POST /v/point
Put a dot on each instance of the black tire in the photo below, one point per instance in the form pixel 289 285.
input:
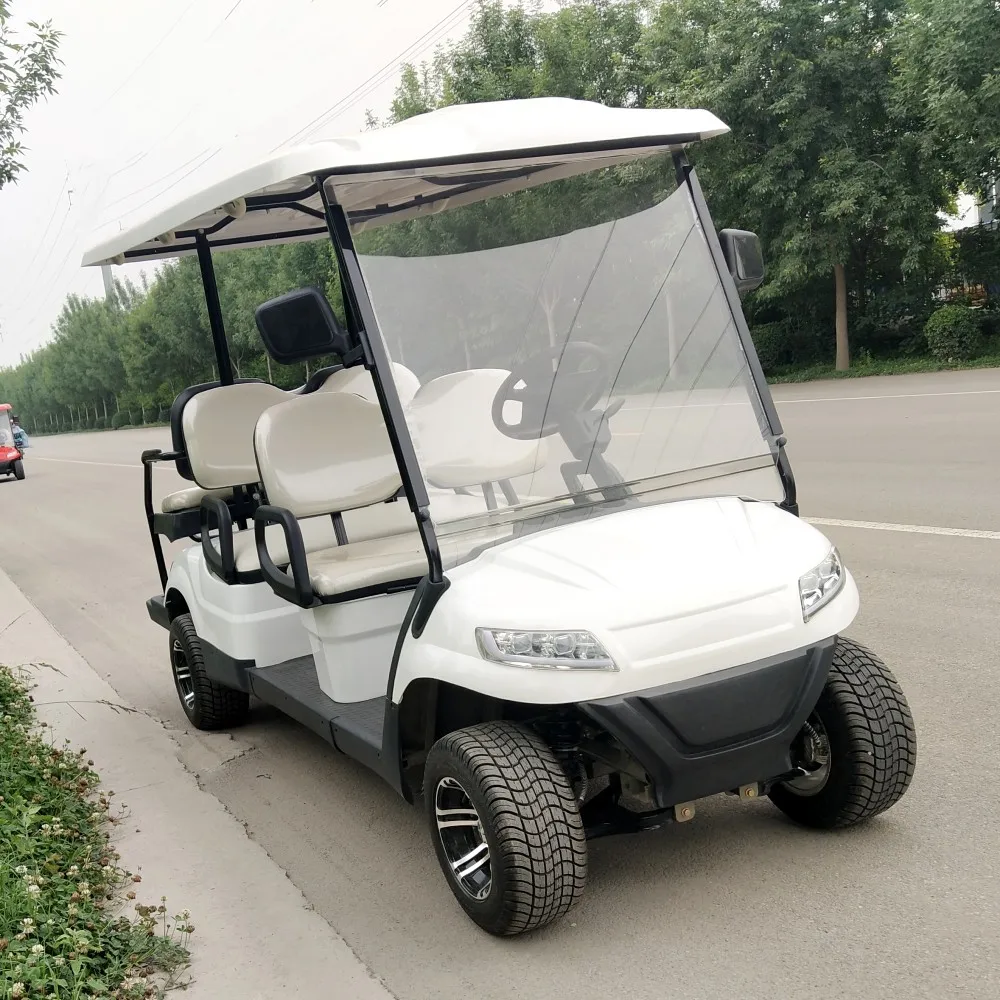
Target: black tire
pixel 18 469
pixel 207 705
pixel 871 745
pixel 527 816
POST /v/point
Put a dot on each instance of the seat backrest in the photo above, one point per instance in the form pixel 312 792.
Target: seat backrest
pixel 323 453
pixel 457 443
pixel 218 425
pixel 359 381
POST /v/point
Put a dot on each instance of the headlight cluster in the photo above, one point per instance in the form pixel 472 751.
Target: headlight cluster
pixel 821 584
pixel 554 650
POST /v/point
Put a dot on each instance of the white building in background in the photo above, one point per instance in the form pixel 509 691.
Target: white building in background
pixel 972 212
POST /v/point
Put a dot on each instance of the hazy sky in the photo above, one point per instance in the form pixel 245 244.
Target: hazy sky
pixel 154 92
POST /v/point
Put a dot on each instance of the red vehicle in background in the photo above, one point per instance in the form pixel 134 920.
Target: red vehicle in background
pixel 11 457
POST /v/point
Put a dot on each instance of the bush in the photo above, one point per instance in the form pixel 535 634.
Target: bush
pixel 164 416
pixel 954 333
pixel 120 419
pixel 893 322
pixel 776 345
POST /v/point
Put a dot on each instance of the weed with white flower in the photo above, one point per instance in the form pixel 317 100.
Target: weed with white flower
pixel 63 933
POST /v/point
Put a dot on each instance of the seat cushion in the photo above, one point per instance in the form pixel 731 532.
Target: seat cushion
pixel 189 497
pixel 381 561
pixel 377 521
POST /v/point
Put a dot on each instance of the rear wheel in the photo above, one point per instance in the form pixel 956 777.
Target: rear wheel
pixel 18 469
pixel 859 747
pixel 506 827
pixel 207 705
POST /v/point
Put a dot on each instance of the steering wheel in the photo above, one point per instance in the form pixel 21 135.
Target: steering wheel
pixel 547 398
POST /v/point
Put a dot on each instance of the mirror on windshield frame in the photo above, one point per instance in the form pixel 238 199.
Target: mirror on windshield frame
pixel 744 258
pixel 301 325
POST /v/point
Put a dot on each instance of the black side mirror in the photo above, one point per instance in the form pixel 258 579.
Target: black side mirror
pixel 301 325
pixel 744 258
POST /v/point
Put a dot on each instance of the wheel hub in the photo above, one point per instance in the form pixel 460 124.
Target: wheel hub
pixel 462 838
pixel 182 674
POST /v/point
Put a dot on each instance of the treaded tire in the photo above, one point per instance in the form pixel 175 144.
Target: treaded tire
pixel 18 469
pixel 206 704
pixel 529 817
pixel 873 744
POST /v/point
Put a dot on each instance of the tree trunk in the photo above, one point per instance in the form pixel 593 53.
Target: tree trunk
pixel 105 402
pixel 843 348
pixel 270 377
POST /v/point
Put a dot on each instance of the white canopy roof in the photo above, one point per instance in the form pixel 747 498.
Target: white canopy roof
pixel 453 156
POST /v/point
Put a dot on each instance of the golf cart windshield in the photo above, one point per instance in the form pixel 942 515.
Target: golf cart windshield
pixel 599 296
pixel 6 431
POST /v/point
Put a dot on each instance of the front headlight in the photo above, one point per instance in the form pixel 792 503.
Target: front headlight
pixel 552 650
pixel 821 584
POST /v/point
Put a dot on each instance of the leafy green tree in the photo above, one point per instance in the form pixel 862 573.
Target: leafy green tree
pixel 823 161
pixel 949 62
pixel 28 72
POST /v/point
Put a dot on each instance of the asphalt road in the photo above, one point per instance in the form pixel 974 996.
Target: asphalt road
pixel 738 903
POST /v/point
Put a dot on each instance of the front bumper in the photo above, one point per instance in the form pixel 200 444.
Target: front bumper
pixel 714 733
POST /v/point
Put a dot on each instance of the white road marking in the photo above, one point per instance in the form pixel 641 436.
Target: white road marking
pixel 917 529
pixel 81 461
pixel 808 399
pixel 891 395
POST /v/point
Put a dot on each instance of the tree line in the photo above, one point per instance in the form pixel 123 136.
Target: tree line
pixel 854 123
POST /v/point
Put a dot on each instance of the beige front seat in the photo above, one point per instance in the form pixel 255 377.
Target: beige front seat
pixel 359 381
pixel 457 443
pixel 312 473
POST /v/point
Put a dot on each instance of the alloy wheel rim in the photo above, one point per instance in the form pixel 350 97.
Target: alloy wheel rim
pixel 463 840
pixel 182 674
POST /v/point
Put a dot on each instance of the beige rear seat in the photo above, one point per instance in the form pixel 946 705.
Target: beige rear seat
pixel 190 496
pixel 218 436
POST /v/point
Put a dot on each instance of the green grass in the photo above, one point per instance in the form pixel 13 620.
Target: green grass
pixel 63 892
pixel 866 366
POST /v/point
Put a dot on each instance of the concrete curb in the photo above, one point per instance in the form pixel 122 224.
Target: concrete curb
pixel 255 937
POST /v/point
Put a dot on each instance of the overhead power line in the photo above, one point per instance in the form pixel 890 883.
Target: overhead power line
pixel 430 37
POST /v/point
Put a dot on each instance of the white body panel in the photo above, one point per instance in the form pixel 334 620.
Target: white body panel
pixel 674 591
pixel 247 622
pixel 352 645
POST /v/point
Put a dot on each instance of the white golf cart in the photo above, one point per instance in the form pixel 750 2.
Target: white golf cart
pixel 531 551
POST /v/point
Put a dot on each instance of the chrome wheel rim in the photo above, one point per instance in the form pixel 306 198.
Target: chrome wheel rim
pixel 816 759
pixel 182 674
pixel 462 838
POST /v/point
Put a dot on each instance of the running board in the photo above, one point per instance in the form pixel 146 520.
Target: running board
pixel 292 687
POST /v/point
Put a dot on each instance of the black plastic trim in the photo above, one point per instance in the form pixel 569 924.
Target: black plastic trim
pixel 716 732
pixel 225 669
pixel 215 515
pixel 156 608
pixel 297 589
pixel 214 306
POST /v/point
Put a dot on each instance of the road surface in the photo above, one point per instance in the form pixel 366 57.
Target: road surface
pixel 736 904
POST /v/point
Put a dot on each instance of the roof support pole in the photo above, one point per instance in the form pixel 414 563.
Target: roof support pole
pixel 222 358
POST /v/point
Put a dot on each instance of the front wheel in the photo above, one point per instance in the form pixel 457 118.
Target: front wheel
pixel 506 827
pixel 18 469
pixel 859 747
